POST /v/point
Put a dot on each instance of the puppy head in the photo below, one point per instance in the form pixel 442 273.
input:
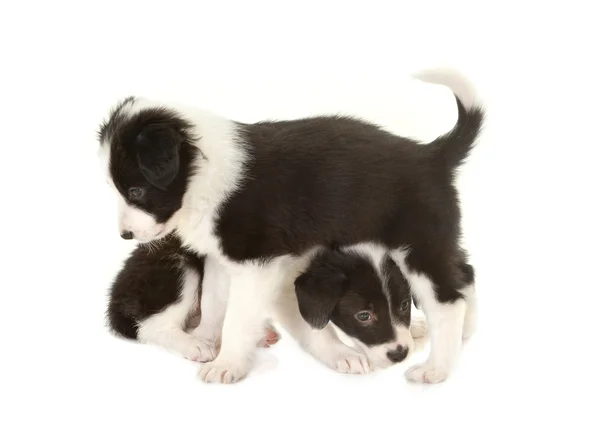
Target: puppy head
pixel 148 151
pixel 364 294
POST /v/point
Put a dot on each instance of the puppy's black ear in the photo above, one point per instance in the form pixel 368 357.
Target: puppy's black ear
pixel 157 149
pixel 319 290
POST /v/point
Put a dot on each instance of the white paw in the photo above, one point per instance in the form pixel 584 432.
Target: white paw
pixel 427 373
pixel 200 350
pixel 418 327
pixel 224 372
pixel 349 360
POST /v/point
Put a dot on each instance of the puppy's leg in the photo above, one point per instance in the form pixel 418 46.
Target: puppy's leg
pixel 468 292
pixel 167 328
pixel 444 308
pixel 253 290
pixel 213 304
pixel 324 345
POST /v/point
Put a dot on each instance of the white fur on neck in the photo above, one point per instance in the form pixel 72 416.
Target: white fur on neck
pixel 218 171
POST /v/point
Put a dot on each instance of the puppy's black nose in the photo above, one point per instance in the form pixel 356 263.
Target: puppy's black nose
pixel 398 354
pixel 127 235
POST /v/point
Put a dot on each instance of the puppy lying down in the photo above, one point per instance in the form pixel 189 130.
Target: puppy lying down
pixel 360 292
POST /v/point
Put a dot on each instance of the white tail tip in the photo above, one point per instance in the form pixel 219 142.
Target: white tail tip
pixel 460 85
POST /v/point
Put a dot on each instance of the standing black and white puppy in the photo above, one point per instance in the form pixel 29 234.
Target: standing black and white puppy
pixel 156 299
pixel 255 197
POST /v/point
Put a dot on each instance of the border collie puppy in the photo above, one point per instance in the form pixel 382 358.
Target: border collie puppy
pixel 155 299
pixel 258 196
pixel 156 296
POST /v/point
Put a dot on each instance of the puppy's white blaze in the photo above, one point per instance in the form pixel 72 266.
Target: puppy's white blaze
pixel 372 251
pixel 460 85
pixel 166 328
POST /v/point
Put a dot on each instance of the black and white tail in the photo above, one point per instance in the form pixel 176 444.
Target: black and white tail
pixel 454 147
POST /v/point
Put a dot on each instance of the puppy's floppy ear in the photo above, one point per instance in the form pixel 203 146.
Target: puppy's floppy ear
pixel 157 148
pixel 319 290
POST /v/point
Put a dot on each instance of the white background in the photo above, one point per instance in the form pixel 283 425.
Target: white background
pixel 530 217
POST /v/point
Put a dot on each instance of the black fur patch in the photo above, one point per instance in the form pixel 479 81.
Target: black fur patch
pixel 152 150
pixel 150 280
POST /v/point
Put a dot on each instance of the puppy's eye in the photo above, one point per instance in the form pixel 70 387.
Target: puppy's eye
pixel 364 316
pixel 404 305
pixel 135 193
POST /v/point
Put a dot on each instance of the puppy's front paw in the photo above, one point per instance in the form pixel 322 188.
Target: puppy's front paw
pixel 201 350
pixel 348 360
pixel 222 371
pixel 418 327
pixel 194 349
pixel 427 373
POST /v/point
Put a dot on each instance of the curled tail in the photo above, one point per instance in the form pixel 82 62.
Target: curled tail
pixel 454 147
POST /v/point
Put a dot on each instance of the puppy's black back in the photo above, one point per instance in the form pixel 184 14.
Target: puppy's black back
pixel 149 281
pixel 339 180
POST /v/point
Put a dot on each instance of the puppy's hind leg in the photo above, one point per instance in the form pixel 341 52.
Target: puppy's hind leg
pixel 444 308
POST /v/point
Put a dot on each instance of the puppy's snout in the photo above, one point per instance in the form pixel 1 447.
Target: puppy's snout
pixel 127 235
pixel 399 354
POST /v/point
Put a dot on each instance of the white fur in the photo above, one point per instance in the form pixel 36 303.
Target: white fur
pixel 445 323
pixel 166 328
pixel 457 82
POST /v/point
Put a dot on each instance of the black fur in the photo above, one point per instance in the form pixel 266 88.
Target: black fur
pixel 152 150
pixel 149 281
pixel 157 150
